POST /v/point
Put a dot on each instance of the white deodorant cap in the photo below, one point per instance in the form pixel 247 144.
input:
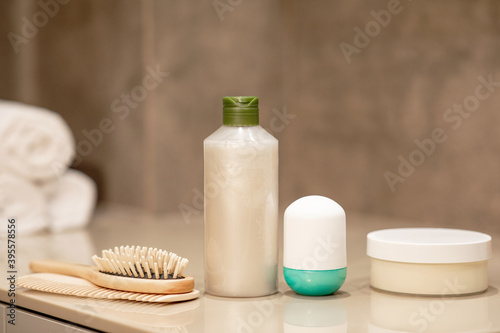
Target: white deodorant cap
pixel 314 234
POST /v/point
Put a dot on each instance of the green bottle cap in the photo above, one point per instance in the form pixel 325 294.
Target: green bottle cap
pixel 240 111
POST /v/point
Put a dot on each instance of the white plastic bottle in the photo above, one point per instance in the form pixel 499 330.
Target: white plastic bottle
pixel 241 204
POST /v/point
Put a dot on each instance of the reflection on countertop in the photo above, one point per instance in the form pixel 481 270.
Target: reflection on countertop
pixel 151 316
pixel 355 308
pixel 398 313
pixel 324 314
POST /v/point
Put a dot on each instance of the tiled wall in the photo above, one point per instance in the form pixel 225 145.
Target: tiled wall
pixel 343 122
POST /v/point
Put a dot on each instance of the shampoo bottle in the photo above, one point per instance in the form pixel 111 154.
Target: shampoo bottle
pixel 241 204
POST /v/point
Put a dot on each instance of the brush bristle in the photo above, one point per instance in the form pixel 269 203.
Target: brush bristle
pixel 141 262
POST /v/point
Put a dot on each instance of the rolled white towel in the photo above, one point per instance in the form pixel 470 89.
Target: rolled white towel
pixel 24 202
pixel 71 200
pixel 35 143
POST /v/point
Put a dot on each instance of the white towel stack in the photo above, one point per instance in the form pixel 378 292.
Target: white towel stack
pixel 36 186
pixel 23 201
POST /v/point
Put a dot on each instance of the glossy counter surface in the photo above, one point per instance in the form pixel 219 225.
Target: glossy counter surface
pixel 355 308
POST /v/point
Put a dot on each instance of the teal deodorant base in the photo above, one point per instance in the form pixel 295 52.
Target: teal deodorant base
pixel 315 283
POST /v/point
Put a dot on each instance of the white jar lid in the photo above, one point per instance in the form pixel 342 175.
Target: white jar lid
pixel 428 245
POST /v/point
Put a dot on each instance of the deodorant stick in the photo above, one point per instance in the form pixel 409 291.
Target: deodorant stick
pixel 314 255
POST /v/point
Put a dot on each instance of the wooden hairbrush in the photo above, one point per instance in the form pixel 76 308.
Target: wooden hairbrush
pixel 128 268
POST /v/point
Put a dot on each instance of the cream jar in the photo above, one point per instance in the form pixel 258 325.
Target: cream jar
pixel 429 261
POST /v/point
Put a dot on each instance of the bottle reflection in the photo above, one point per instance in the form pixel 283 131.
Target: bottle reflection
pixel 242 315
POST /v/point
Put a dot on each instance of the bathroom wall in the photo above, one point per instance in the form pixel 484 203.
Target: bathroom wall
pixel 360 94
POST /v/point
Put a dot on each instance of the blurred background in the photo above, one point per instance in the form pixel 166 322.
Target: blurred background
pixel 388 107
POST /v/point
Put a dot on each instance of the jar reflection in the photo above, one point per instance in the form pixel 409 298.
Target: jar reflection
pixel 398 313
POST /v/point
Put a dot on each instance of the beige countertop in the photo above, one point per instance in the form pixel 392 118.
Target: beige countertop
pixel 355 308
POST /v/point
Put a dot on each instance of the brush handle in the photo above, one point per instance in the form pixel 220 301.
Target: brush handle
pixel 60 267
